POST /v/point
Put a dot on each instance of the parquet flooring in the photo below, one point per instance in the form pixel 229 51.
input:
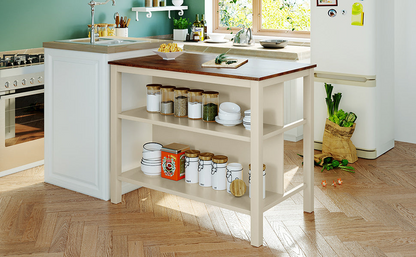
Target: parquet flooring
pixel 373 213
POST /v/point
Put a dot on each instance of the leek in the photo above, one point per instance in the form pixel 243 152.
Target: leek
pixel 337 100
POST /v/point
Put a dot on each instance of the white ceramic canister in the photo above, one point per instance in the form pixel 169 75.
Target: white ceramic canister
pixel 191 166
pixel 204 169
pixel 264 181
pixel 234 171
pixel 218 172
pixel 153 97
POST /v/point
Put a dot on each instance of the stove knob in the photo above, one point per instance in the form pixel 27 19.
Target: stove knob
pixel 32 80
pixel 40 79
pixel 15 83
pixel 23 82
pixel 7 84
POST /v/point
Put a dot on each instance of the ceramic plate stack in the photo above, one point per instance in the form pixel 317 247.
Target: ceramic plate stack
pixel 151 162
pixel 247 119
pixel 229 114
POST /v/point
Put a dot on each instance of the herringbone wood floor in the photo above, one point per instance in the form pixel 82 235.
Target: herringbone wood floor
pixel 372 214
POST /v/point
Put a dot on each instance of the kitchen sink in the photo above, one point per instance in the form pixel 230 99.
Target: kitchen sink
pixel 102 41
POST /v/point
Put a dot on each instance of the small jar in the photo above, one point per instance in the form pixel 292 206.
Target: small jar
pixel 195 104
pixel 167 100
pixel 264 181
pixel 181 102
pixel 204 169
pixel 111 30
pixel 210 103
pixel 89 29
pixel 155 3
pixel 153 97
pixel 162 2
pixel 234 171
pixel 148 3
pixel 191 166
pixel 102 29
pixel 218 172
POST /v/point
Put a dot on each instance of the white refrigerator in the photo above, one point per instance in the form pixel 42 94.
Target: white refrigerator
pixel 358 60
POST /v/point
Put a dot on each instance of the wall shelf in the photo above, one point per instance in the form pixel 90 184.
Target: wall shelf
pixel 149 10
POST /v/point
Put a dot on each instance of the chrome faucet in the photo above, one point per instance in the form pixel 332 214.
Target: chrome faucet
pixel 93 4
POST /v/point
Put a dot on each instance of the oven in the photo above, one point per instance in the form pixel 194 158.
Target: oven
pixel 21 112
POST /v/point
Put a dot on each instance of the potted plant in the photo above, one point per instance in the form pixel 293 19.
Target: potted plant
pixel 180 29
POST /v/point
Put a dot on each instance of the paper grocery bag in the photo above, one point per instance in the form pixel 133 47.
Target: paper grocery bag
pixel 337 142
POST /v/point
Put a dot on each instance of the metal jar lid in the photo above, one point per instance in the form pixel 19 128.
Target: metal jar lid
pixel 183 90
pixel 220 159
pixel 206 156
pixel 192 153
pixel 264 166
pixel 153 86
pixel 195 92
pixel 210 94
pixel 167 88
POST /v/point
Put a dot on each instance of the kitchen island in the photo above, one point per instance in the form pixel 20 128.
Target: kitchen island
pixel 257 85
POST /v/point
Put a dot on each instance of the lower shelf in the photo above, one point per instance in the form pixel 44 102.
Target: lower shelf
pixel 195 192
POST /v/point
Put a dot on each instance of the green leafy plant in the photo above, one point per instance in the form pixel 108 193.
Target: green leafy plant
pixel 330 163
pixel 223 58
pixel 336 115
pixel 181 23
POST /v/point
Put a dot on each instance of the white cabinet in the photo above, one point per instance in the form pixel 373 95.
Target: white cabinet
pixel 77 119
pixel 258 85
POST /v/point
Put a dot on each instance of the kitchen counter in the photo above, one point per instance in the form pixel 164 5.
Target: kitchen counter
pixel 290 52
pixel 105 49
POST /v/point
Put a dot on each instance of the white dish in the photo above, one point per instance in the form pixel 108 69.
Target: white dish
pixel 168 56
pixel 215 37
pixel 229 107
pixel 151 169
pixel 215 41
pixel 152 155
pixel 247 113
pixel 228 123
pixel 229 116
pixel 152 146
pixel 177 2
pixel 247 119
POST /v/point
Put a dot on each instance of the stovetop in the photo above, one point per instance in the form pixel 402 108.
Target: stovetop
pixel 20 60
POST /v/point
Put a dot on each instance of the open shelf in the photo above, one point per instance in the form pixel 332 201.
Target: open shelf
pixel 149 10
pixel 237 132
pixel 196 192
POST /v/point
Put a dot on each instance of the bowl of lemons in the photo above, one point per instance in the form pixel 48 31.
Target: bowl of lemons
pixel 169 51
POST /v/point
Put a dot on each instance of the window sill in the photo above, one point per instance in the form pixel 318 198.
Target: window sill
pixel 291 40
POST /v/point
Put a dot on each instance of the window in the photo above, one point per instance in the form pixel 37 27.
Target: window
pixel 271 17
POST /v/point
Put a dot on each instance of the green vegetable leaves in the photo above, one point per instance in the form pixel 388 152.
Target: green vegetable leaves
pixel 336 115
pixel 223 58
pixel 330 163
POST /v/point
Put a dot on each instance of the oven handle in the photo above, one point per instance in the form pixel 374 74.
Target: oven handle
pixel 12 96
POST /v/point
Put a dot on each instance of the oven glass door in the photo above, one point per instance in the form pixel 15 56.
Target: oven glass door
pixel 24 116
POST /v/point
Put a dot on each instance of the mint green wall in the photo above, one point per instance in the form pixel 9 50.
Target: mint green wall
pixel 29 23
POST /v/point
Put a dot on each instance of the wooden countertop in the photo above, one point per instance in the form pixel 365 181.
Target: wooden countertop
pixel 255 69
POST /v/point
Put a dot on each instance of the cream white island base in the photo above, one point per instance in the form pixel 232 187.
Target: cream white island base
pixel 257 85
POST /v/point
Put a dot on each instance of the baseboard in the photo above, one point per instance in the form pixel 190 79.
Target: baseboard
pixel 21 168
pixel 292 138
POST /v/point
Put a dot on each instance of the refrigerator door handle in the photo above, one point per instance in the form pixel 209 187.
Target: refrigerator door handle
pixel 345 79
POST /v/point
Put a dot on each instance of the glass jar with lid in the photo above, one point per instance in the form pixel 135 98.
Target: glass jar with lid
pixel 204 169
pixel 191 166
pixel 89 29
pixel 111 29
pixel 210 105
pixel 195 104
pixel 218 172
pixel 102 29
pixel 181 102
pixel 153 97
pixel 167 100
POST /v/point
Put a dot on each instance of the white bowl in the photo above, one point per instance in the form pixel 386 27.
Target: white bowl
pixel 152 146
pixel 151 169
pixel 230 107
pixel 152 155
pixel 216 37
pixel 229 116
pixel 168 56
pixel 177 2
pixel 247 113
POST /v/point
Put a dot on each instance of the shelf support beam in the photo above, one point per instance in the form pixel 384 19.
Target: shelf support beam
pixel 308 152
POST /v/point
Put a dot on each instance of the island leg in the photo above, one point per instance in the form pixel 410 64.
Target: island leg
pixel 256 154
pixel 115 134
pixel 308 153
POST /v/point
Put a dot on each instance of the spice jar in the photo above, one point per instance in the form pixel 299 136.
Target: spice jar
pixel 191 166
pixel 210 102
pixel 264 181
pixel 153 97
pixel 204 169
pixel 89 29
pixel 167 98
pixel 218 172
pixel 181 102
pixel 155 3
pixel 234 171
pixel 111 29
pixel 148 3
pixel 162 2
pixel 102 29
pixel 195 104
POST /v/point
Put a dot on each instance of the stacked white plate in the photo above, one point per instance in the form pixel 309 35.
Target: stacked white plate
pixel 229 114
pixel 247 119
pixel 151 161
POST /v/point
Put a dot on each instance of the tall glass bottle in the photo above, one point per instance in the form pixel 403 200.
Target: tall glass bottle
pixel 204 24
pixel 196 29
